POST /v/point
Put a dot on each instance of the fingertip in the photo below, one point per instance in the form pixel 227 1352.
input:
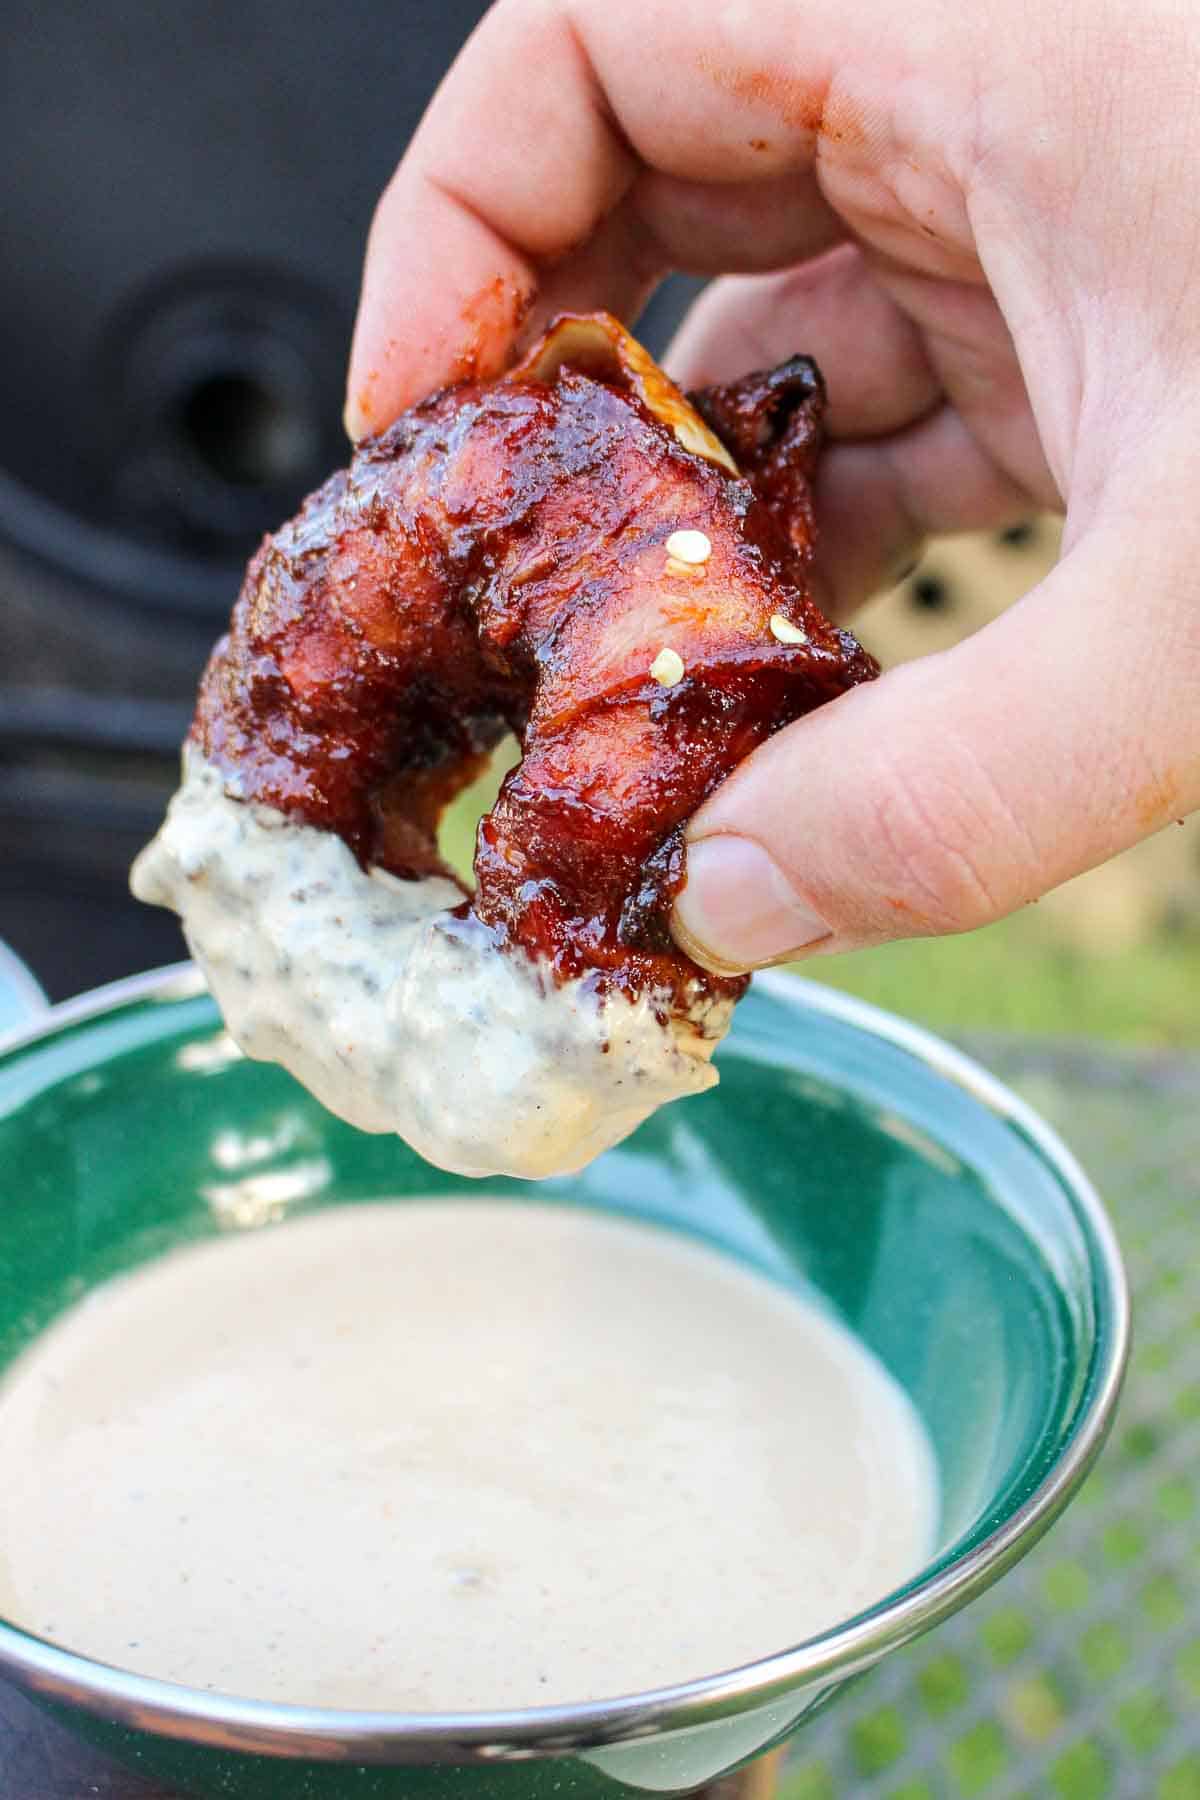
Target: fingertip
pixel 375 373
pixel 385 378
pixel 444 299
pixel 357 415
pixel 738 910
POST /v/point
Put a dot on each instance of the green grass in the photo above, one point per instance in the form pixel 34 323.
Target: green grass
pixel 1018 975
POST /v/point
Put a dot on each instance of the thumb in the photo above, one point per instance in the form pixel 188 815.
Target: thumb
pixel 958 788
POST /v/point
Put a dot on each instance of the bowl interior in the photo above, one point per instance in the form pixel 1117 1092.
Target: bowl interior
pixel 830 1158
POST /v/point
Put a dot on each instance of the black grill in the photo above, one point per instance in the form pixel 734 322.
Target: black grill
pixel 184 197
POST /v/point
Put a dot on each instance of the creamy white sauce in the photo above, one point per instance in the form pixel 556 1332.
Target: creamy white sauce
pixel 451 1455
pixel 395 1015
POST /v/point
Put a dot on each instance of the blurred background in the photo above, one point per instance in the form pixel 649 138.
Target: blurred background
pixel 184 197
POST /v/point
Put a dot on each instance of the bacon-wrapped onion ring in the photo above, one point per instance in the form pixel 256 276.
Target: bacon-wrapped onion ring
pixel 569 553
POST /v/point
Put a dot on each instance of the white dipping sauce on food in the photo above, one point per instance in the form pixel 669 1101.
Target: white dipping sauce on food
pixel 396 1015
pixel 449 1455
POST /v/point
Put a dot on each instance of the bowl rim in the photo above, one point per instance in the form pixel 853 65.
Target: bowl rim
pixel 323 1733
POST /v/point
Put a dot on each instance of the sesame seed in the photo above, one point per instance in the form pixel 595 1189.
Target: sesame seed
pixel 786 632
pixel 689 547
pixel 667 667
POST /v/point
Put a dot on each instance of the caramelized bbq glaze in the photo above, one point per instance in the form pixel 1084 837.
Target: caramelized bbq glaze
pixel 497 560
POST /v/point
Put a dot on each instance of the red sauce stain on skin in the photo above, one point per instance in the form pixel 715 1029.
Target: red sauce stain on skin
pixel 842 122
pixel 796 103
pixel 492 319
pixel 910 920
pixel 365 399
pixel 1157 802
pixel 808 106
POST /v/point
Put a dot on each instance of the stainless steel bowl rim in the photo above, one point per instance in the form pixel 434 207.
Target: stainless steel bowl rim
pixel 325 1734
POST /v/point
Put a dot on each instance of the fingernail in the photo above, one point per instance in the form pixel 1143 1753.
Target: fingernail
pixel 738 910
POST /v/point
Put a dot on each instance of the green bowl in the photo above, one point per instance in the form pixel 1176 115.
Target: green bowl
pixel 843 1151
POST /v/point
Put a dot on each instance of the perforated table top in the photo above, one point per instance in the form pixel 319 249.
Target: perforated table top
pixel 1078 1676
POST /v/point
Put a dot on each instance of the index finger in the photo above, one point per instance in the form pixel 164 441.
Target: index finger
pixel 580 152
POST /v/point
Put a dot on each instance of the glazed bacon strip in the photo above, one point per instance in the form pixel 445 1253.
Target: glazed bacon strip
pixel 569 553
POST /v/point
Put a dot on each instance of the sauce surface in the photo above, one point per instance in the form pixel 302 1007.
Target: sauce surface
pixel 450 1455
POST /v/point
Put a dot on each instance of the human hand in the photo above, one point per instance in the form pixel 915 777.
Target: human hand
pixel 982 223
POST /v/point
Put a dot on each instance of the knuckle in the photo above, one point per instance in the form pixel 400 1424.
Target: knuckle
pixel 943 841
